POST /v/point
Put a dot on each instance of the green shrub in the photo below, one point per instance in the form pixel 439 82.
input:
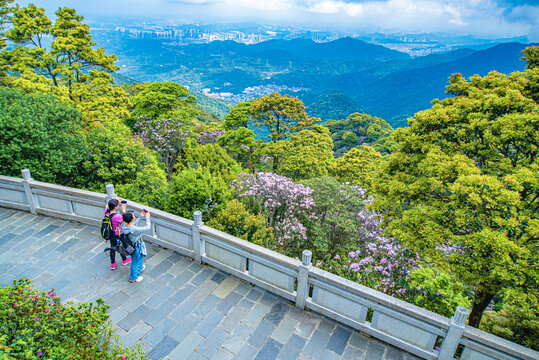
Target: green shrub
pixel 236 220
pixel 35 324
pixel 436 291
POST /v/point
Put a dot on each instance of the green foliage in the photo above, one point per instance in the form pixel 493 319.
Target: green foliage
pixel 213 158
pixel 307 154
pixel 196 189
pixel 40 133
pixel 117 159
pixel 517 321
pixel 238 117
pixel 357 166
pixel 164 100
pixel 337 228
pixel 70 54
pixel 235 220
pixel 280 115
pixel 36 325
pixel 212 105
pixel 359 129
pixel 241 145
pixel 336 105
pixel 4 11
pixel 436 291
pixel 462 188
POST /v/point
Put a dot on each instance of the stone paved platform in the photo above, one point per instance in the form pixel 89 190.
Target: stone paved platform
pixel 181 310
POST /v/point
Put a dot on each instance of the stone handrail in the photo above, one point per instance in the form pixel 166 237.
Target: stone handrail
pixel 409 327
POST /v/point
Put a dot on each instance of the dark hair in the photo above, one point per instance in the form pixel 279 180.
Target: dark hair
pixel 128 217
pixel 112 204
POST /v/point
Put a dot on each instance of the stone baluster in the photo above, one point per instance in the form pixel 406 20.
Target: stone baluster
pixel 26 181
pixel 303 279
pixel 198 244
pixel 454 334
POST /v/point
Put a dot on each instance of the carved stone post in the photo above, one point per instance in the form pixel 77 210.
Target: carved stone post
pixel 198 244
pixel 303 279
pixel 26 181
pixel 452 339
pixel 110 192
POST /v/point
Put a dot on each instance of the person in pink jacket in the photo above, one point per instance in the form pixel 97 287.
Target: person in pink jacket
pixel 116 221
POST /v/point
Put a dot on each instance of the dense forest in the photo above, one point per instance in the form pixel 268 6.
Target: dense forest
pixel 441 213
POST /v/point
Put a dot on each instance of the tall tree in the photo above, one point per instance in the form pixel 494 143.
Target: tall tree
pixel 69 56
pixel 164 100
pixel 281 115
pixel 464 186
pixel 4 11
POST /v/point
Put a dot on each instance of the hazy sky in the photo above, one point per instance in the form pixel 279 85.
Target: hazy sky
pixel 492 18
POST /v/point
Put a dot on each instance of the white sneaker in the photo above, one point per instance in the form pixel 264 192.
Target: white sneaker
pixel 138 280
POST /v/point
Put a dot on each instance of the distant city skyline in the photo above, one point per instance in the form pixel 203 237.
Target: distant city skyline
pixel 486 18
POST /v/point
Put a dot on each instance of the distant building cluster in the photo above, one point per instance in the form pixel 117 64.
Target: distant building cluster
pixel 251 92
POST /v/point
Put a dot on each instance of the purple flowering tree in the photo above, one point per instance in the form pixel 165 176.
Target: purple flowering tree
pixel 288 206
pixel 210 136
pixel 166 136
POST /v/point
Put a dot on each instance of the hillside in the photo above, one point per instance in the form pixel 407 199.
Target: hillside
pixel 410 91
pixel 383 82
pixel 334 106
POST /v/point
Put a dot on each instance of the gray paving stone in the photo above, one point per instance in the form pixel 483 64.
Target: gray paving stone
pixel 136 333
pixel 326 326
pixel 184 328
pixel 186 346
pixel 182 294
pixel 392 353
pixel 233 319
pixel 352 353
pixel 316 344
pixel 277 312
pixel 270 351
pixel 359 340
pixel 219 277
pixel 162 311
pixel 162 349
pixel 254 294
pixel 246 304
pixel 159 297
pixel 183 310
pixel 256 315
pixel 330 355
pixel 229 302
pixel 262 332
pixel 159 332
pixel 243 288
pixel 212 342
pixel 339 338
pixel 130 320
pixel 375 350
pixel 209 323
pixel 202 276
pixel 285 329
pixel 203 290
pixel 206 306
pixel 222 354
pixel 247 352
pixel 292 348
pixel 307 325
pixel 196 356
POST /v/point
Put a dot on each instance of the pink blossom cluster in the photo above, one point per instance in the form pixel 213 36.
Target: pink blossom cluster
pixel 210 137
pixel 384 265
pixel 288 206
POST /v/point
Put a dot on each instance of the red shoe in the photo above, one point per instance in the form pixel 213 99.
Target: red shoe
pixel 126 261
pixel 113 266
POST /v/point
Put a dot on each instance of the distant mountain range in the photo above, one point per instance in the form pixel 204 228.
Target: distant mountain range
pixel 334 78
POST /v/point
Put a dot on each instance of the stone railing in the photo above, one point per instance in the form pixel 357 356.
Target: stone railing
pixel 394 321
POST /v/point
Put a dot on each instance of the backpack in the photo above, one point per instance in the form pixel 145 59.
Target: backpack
pixel 106 227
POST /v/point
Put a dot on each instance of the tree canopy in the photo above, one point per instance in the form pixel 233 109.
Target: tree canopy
pixel 464 185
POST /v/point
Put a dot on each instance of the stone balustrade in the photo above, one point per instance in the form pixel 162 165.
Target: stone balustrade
pixel 396 322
